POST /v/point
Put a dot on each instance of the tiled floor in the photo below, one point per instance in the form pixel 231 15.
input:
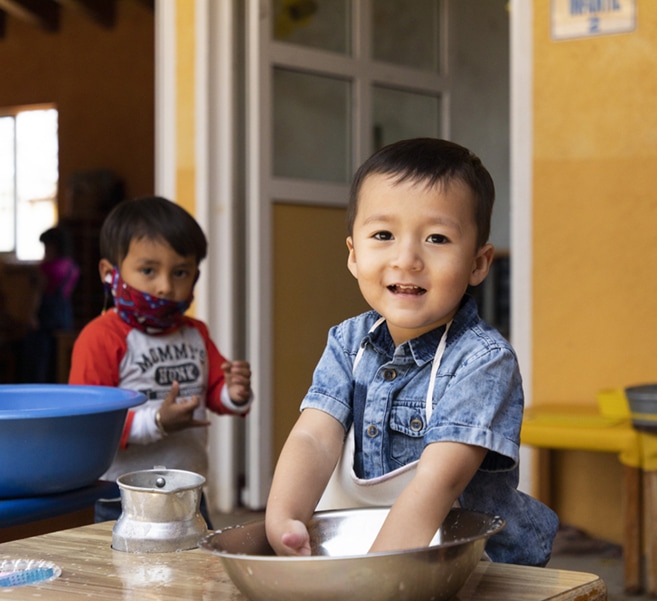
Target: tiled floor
pixel 573 550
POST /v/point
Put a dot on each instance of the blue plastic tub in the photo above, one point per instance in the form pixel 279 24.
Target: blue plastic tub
pixel 55 437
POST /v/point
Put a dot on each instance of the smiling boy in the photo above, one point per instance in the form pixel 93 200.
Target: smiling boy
pixel 418 401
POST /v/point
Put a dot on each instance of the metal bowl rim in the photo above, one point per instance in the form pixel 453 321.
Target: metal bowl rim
pixel 163 471
pixel 497 523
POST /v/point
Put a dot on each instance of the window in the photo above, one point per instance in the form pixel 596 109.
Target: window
pixel 28 178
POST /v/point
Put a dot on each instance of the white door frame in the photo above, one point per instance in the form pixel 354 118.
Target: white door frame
pixel 259 326
pixel 215 194
pixel 165 98
pixel 521 200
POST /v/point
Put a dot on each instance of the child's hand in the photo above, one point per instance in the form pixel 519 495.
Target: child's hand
pixel 294 540
pixel 238 380
pixel 175 416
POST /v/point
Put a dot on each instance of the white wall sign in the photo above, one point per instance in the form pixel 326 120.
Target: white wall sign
pixel 586 18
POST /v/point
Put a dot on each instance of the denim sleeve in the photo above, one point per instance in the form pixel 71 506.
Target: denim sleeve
pixel 480 402
pixel 333 384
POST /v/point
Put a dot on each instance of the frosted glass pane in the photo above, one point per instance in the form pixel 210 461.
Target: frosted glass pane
pixel 311 126
pixel 323 24
pixel 397 115
pixel 417 23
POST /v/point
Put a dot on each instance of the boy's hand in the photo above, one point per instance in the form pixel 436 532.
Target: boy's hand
pixel 179 415
pixel 294 539
pixel 238 380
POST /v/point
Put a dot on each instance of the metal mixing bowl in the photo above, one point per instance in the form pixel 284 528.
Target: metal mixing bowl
pixel 341 568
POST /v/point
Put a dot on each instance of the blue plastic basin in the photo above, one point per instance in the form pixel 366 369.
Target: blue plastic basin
pixel 55 437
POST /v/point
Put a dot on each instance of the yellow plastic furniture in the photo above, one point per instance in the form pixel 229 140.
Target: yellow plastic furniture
pixel 586 428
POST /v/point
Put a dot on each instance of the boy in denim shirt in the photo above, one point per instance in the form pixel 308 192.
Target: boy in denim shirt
pixel 430 396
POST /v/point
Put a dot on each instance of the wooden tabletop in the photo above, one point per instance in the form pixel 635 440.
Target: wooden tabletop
pixel 91 569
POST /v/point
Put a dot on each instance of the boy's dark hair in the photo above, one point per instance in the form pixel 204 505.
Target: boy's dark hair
pixel 153 218
pixel 431 161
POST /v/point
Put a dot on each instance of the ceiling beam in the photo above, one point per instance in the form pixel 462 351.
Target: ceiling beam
pixel 103 12
pixel 42 13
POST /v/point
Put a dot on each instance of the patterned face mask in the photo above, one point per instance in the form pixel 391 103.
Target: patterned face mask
pixel 143 311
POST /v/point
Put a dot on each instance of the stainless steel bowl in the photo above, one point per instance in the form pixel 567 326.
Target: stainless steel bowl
pixel 341 568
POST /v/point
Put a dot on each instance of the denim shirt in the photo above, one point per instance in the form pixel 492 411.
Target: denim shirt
pixel 477 400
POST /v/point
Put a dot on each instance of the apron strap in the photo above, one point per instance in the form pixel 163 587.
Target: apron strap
pixel 440 351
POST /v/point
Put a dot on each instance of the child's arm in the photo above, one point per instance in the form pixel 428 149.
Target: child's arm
pixel 443 472
pixel 302 472
pixel 229 382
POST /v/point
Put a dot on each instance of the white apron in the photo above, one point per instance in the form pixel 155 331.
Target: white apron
pixel 345 489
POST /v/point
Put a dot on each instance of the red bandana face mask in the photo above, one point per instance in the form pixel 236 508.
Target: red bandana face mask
pixel 143 311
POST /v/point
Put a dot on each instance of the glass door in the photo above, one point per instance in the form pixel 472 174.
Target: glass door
pixel 327 83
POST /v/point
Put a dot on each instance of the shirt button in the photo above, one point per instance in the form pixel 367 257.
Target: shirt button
pixel 372 431
pixel 416 424
pixel 389 375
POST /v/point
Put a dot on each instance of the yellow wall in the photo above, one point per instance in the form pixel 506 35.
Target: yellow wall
pixel 185 115
pixel 102 81
pixel 185 109
pixel 313 290
pixel 595 210
pixel 595 235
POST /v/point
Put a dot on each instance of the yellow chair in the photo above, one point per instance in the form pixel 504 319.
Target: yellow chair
pixel 648 443
pixel 605 429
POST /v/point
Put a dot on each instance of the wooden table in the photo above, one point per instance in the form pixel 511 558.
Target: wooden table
pixel 91 569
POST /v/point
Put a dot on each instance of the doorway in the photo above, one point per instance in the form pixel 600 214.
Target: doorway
pixel 334 84
pixel 295 94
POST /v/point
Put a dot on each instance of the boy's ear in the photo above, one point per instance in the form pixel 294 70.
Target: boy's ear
pixel 351 258
pixel 105 271
pixel 481 265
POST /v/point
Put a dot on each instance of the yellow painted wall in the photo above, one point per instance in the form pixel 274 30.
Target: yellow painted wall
pixel 313 290
pixel 102 82
pixel 595 210
pixel 185 105
pixel 185 113
pixel 595 233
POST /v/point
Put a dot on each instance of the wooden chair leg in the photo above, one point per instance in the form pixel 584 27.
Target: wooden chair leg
pixel 634 524
pixel 631 499
pixel 543 469
pixel 650 529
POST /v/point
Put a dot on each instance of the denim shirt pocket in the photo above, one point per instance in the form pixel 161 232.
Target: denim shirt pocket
pixel 407 428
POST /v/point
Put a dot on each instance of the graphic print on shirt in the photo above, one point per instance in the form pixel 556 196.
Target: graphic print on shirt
pixel 155 362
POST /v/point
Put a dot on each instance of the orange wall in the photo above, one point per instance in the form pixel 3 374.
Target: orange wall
pixel 594 238
pixel 102 81
pixel 595 210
